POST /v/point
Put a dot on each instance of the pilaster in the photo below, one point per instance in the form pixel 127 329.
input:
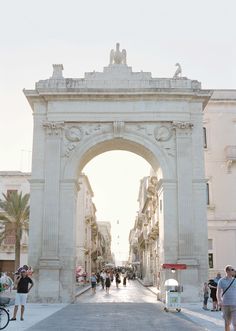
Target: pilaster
pixel 184 180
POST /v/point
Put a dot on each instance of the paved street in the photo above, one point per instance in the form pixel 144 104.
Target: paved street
pixel 128 308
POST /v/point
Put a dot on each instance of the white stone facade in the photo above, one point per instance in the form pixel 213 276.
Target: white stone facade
pixel 220 164
pixel 105 229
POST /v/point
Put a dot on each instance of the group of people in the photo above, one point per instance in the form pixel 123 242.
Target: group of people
pixel 223 294
pixel 106 277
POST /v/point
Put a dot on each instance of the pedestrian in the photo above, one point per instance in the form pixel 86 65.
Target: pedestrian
pixel 117 279
pixel 93 280
pixel 107 282
pixel 124 278
pixel 111 275
pixel 205 295
pixel 213 287
pixel 217 278
pixel 23 284
pixel 98 277
pixel 226 295
pixel 102 278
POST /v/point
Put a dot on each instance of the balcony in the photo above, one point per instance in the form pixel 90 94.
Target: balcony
pixel 230 155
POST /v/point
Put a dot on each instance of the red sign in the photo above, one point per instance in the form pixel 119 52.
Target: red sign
pixel 174 266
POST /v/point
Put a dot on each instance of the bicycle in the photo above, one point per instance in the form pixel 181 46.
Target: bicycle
pixel 4 313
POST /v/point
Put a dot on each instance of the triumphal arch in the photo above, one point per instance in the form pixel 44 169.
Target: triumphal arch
pixel 75 120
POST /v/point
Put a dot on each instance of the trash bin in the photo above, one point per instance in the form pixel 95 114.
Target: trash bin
pixel 173 295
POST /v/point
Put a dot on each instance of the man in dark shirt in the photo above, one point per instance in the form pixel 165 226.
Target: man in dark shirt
pixel 22 284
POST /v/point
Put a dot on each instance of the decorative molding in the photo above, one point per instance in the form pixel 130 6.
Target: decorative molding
pixel 182 125
pixel 118 128
pixel 53 128
pixel 162 133
pixel 69 148
pixel 230 155
pixel 74 133
pixel 93 130
pixel 229 165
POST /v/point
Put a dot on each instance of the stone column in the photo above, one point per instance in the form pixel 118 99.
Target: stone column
pixel 67 238
pixel 49 263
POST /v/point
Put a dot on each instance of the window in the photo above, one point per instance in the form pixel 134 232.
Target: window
pixel 207 194
pixel 210 260
pixel 204 138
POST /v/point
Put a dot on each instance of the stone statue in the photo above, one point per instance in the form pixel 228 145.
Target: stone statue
pixel 178 71
pixel 118 57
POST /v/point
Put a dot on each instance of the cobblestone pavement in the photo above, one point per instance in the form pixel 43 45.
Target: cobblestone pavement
pixel 127 308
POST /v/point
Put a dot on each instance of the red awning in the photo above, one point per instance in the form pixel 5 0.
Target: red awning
pixel 175 266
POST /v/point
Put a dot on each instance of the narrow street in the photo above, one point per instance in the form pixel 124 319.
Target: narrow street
pixel 128 308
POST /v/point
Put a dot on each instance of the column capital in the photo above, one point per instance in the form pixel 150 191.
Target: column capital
pixel 53 128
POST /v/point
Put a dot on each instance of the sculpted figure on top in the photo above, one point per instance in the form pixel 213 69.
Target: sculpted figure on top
pixel 117 56
pixel 178 71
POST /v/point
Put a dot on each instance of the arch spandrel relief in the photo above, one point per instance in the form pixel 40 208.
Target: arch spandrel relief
pixel 158 133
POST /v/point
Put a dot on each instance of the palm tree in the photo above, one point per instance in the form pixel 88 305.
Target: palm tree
pixel 15 211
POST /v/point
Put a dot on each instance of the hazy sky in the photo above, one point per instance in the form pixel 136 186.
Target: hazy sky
pixel 200 35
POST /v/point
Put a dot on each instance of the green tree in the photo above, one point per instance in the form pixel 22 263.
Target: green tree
pixel 15 211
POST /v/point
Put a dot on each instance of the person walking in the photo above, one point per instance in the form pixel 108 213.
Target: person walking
pixel 213 287
pixel 93 280
pixel 216 280
pixel 23 284
pixel 226 295
pixel 205 296
pixel 124 278
pixel 117 279
pixel 107 282
pixel 102 278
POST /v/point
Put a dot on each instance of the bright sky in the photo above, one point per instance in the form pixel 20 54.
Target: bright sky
pixel 200 35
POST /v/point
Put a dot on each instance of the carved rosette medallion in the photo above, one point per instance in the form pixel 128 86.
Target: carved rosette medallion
pixel 53 128
pixel 162 133
pixel 74 133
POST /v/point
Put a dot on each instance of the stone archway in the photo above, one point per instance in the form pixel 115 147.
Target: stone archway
pixel 77 119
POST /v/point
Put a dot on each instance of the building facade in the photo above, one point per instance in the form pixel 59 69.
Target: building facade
pixel 220 167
